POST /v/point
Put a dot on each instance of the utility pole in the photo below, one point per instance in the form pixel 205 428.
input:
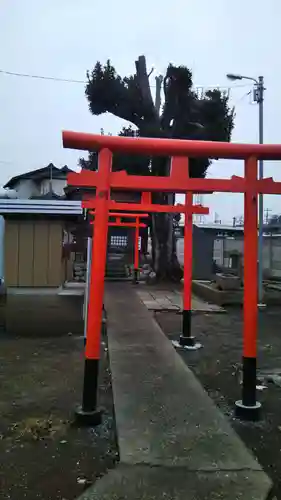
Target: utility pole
pixel 267 210
pixel 258 98
pixel 51 178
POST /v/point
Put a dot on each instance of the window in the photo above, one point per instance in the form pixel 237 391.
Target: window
pixel 118 241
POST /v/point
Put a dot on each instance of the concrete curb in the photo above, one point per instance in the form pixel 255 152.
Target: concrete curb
pixel 142 482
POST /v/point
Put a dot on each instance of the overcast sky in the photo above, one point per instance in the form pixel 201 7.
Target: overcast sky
pixel 64 38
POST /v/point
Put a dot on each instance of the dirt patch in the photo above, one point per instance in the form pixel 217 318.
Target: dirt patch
pixel 42 454
pixel 218 367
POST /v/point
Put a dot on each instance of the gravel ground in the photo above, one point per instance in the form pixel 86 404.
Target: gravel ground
pixel 42 455
pixel 218 367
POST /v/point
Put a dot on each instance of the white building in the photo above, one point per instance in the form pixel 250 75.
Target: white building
pixel 47 182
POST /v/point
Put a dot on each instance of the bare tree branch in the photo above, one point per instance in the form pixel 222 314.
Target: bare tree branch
pixel 143 81
pixel 158 80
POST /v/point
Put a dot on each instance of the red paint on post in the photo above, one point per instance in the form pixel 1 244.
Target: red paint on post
pixel 137 234
pixel 250 261
pixel 99 247
pixel 187 278
pixel 180 167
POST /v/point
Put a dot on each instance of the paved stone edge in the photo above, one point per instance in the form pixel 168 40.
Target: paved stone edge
pixel 132 482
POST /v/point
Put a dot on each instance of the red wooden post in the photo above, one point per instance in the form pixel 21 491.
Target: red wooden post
pixel 136 253
pixel 187 340
pixel 248 407
pixel 88 413
pixel 137 234
pixel 188 231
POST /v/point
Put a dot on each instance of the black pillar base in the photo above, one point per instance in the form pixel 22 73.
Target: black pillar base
pixel 186 324
pixel 249 413
pixel 136 277
pixel 88 414
pixel 249 381
pixel 186 340
pixel 88 418
pixel 248 408
pixel 188 343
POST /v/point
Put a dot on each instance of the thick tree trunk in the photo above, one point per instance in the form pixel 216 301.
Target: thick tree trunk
pixel 144 240
pixel 164 252
pixel 164 255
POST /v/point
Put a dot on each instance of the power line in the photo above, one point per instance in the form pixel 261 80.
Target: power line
pixel 70 80
pixel 238 101
pixel 41 77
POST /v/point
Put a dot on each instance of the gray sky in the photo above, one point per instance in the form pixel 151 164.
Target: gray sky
pixel 65 38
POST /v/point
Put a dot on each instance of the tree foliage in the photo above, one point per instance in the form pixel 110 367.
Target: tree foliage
pixel 183 115
pixel 132 164
pixel 274 221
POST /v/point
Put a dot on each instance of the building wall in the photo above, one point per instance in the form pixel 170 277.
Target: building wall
pixel 203 242
pixel 33 253
pixel 271 252
pixel 58 186
pixel 26 188
pixel 2 239
pixel 224 245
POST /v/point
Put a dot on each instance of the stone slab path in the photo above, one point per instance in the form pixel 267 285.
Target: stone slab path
pixel 171 300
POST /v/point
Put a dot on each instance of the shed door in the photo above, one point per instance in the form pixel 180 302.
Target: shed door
pixel 33 253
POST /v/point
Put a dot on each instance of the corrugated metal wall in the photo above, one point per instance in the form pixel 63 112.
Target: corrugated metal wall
pixel 33 253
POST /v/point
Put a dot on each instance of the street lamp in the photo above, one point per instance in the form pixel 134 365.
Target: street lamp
pixel 258 97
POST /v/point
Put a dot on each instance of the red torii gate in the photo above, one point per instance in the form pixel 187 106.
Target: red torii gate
pixel 88 413
pixel 186 340
pixel 178 182
pixel 136 224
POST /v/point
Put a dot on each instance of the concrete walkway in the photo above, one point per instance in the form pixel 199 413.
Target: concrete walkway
pixel 174 443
